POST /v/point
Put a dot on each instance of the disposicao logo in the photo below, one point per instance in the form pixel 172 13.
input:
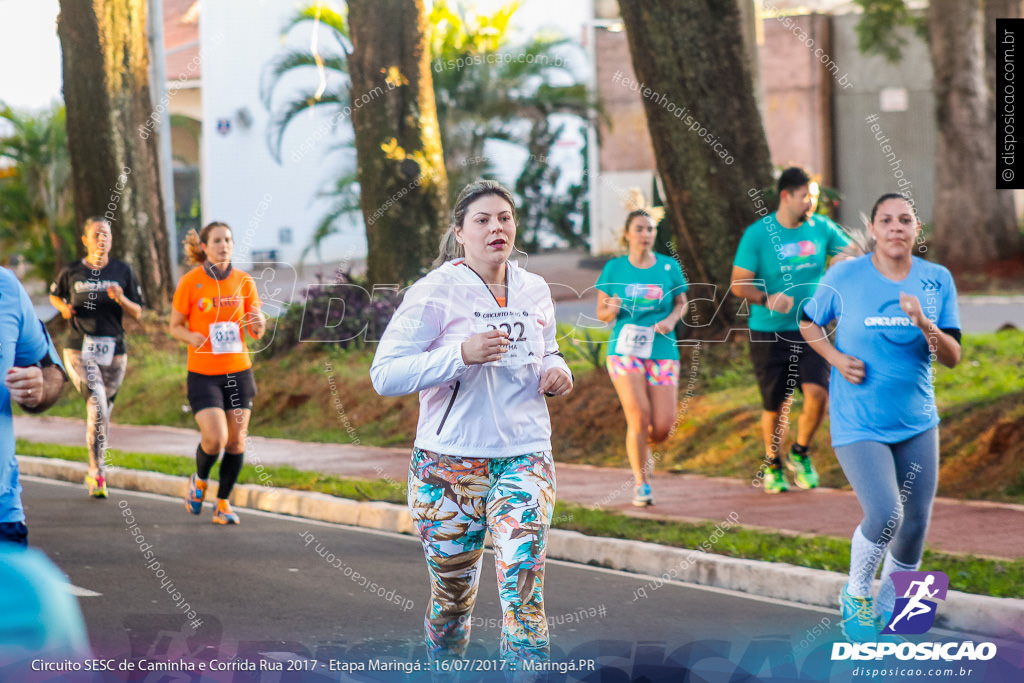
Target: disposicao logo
pixel 916 604
pixel 205 304
pixel 915 611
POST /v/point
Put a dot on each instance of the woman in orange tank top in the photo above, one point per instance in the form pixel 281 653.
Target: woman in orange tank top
pixel 214 305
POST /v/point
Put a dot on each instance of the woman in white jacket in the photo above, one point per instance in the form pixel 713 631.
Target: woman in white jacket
pixel 476 339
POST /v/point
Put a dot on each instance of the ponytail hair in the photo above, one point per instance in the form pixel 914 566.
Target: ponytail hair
pixel 450 248
pixel 194 253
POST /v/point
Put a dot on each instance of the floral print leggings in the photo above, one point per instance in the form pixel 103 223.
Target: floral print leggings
pixel 453 501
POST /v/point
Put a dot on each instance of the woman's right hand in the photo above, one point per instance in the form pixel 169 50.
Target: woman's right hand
pixel 196 339
pixel 614 304
pixel 484 347
pixel 851 368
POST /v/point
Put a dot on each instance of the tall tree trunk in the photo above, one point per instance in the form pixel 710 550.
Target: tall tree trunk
pixel 113 167
pixel 398 144
pixel 974 222
pixel 709 141
pixel 997 9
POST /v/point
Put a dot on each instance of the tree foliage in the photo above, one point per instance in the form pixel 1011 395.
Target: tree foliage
pixel 485 90
pixel 877 29
pixel 37 219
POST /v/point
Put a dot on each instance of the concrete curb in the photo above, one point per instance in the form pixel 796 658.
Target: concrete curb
pixel 978 614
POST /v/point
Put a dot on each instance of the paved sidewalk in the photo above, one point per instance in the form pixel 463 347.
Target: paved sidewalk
pixel 979 528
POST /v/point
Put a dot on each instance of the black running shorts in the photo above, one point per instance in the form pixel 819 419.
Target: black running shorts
pixel 227 392
pixel 784 362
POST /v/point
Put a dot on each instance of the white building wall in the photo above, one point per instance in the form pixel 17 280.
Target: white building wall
pixel 242 184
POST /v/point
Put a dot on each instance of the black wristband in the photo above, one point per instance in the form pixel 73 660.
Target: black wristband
pixel 764 298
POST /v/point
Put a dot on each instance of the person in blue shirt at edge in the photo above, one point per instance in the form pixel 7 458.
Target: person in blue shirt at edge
pixel 896 314
pixel 644 294
pixel 777 257
pixel 33 378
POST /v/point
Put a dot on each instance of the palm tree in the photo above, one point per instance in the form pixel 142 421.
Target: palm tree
pixel 484 90
pixel 37 217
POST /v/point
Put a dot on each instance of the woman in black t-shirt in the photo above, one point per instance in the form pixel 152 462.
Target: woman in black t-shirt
pixel 93 294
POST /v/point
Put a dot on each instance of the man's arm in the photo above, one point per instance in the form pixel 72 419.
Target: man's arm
pixel 745 285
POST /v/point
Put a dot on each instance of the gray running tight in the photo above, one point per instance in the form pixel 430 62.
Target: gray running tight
pixel 895 484
pixel 98 384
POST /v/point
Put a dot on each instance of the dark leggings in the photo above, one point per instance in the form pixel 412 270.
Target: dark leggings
pixel 14 532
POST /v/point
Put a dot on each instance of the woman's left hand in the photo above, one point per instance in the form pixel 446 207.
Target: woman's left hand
pixel 665 326
pixel 257 323
pixel 555 382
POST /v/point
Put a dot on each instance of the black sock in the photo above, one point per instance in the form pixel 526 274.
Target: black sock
pixel 230 466
pixel 775 463
pixel 799 450
pixel 204 463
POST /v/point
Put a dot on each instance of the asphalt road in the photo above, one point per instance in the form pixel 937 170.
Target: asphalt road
pixel 263 592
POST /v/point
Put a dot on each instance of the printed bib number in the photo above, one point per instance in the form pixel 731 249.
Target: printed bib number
pixel 524 336
pixel 99 349
pixel 226 337
pixel 635 340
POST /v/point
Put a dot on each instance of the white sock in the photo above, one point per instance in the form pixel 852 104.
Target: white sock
pixel 865 556
pixel 887 593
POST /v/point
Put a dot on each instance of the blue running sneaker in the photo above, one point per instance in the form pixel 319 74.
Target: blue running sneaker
pixel 195 494
pixel 859 623
pixel 642 496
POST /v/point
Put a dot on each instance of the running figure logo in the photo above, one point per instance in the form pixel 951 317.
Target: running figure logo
pixel 914 612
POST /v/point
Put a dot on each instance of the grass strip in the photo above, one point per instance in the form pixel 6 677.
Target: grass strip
pixel 996 578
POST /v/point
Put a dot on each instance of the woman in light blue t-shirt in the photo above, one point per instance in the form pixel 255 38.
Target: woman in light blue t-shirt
pixel 643 293
pixel 895 314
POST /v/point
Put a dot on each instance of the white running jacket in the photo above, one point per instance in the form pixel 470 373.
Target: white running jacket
pixel 492 410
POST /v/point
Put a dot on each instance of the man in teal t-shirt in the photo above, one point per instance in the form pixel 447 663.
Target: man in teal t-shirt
pixel 778 264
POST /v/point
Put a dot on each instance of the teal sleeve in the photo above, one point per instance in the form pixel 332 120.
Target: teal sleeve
pixel 679 284
pixel 748 252
pixel 837 238
pixel 606 277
